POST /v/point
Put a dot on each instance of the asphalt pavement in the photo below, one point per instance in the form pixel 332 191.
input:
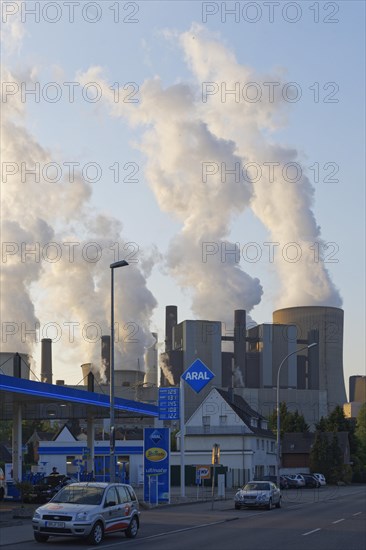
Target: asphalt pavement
pixel 16 519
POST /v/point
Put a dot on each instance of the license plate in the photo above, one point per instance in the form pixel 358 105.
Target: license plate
pixel 58 524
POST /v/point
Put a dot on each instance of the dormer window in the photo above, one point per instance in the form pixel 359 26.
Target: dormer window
pixel 254 422
pixel 264 424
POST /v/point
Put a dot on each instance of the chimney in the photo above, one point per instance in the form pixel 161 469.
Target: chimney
pixel 17 371
pixel 171 319
pixel 46 360
pixel 106 356
pixel 240 342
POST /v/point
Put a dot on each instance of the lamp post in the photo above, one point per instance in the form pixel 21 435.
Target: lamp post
pixel 112 450
pixel 278 407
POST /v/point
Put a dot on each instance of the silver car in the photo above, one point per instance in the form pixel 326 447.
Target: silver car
pixel 88 510
pixel 258 494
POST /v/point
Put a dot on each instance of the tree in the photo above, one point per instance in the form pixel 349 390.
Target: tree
pixel 360 434
pixel 319 455
pixel 290 422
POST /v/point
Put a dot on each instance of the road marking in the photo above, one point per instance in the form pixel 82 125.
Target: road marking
pixel 310 532
pixel 338 520
pixel 184 529
pixel 357 514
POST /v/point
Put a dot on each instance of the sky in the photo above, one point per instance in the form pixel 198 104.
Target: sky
pixel 218 147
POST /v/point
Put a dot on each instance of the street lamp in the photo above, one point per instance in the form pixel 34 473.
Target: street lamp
pixel 112 450
pixel 278 407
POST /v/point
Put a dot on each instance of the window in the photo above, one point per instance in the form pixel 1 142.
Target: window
pixel 262 444
pixel 122 493
pixel 206 420
pixel 257 443
pixel 253 422
pixel 223 420
pixel 111 497
pixel 264 425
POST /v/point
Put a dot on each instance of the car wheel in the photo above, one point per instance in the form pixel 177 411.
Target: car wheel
pixel 132 529
pixel 96 535
pixel 40 538
pixel 278 505
pixel 269 505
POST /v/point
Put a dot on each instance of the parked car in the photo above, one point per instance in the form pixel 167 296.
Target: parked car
pixel 2 484
pixel 320 478
pixel 298 480
pixel 88 510
pixel 46 488
pixel 292 483
pixel 311 481
pixel 283 481
pixel 258 494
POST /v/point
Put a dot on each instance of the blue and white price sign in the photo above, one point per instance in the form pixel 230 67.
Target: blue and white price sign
pixel 168 403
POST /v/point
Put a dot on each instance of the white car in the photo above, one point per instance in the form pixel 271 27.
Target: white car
pixel 88 510
pixel 299 479
pixel 258 494
pixel 320 478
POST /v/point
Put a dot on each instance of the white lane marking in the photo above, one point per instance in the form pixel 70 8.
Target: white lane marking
pixel 310 532
pixel 176 531
pixel 338 520
pixel 357 514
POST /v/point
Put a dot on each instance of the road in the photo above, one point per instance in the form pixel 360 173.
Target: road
pixel 332 520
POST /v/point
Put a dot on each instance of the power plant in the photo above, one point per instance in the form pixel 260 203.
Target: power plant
pixel 311 381
pixel 244 361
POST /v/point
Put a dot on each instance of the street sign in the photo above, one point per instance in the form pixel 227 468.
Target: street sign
pixel 198 375
pixel 168 403
pixel 203 472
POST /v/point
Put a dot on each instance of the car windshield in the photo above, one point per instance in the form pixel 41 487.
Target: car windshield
pixel 256 487
pixel 80 495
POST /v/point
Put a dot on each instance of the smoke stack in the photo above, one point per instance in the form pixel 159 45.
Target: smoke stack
pixel 240 346
pixel 171 319
pixel 46 360
pixel 106 357
pixel 17 371
pixel 151 362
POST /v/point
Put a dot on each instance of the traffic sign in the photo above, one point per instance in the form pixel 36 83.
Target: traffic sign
pixel 197 375
pixel 168 403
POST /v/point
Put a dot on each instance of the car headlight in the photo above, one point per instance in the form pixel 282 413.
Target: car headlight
pixel 82 516
pixel 36 515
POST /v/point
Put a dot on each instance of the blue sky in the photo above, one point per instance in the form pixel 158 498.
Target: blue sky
pixel 304 52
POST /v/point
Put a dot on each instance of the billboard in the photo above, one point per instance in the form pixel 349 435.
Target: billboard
pixel 156 465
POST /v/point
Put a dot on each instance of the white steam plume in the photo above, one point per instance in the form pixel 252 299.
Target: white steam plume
pixel 284 207
pixel 56 285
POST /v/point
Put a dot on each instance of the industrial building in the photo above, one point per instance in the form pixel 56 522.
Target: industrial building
pixel 311 380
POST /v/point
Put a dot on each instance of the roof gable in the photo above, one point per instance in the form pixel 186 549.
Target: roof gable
pixel 224 411
pixel 64 434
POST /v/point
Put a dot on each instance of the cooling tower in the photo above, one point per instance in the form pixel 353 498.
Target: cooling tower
pixel 46 360
pixel 88 367
pixel 325 324
pixel 7 364
pixel 128 378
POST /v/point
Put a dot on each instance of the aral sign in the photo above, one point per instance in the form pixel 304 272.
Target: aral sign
pixel 197 375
